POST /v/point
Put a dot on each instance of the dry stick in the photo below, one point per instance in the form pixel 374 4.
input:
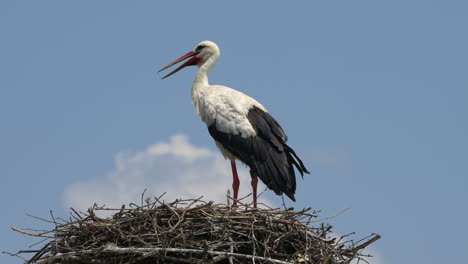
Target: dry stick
pixel 142 195
pixel 329 217
pixel 158 200
pixel 143 251
pixel 53 218
pixel 17 254
pixel 183 214
pixel 42 219
pixel 254 239
pixel 232 250
pixel 228 198
pixel 370 241
pixel 39 242
pixel 77 214
pixel 30 234
pixel 42 231
pixel 40 253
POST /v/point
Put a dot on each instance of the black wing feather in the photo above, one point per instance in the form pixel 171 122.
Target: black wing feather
pixel 267 154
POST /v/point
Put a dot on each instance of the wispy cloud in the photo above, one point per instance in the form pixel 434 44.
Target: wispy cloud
pixel 177 167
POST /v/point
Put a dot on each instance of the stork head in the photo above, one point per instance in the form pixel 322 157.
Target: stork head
pixel 199 56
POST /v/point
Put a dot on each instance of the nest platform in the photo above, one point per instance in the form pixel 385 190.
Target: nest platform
pixel 193 231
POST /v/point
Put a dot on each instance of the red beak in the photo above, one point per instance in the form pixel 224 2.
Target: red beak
pixel 193 61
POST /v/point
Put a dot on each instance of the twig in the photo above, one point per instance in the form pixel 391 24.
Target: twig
pixel 329 217
pixel 365 244
pixel 30 234
pixel 183 214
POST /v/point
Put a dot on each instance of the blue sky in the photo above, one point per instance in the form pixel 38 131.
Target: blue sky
pixel 373 95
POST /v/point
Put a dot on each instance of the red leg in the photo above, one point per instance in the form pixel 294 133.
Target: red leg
pixel 254 189
pixel 235 181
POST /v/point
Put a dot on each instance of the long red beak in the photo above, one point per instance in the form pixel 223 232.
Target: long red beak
pixel 193 61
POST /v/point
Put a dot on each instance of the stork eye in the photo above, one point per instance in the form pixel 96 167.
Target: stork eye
pixel 199 48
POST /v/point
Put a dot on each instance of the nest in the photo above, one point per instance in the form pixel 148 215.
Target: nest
pixel 193 231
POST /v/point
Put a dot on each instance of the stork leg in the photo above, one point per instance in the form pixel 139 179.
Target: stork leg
pixel 254 189
pixel 235 181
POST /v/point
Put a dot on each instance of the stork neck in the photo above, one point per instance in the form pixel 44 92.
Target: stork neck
pixel 201 79
pixel 201 86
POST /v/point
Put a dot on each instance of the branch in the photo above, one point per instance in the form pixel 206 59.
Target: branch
pixel 30 234
pixel 370 241
pixel 144 251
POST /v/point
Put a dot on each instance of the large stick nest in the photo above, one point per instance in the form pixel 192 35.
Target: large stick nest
pixel 194 231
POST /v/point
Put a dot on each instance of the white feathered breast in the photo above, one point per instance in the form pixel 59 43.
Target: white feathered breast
pixel 227 107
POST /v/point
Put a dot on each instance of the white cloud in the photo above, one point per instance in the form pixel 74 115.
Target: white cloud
pixel 177 167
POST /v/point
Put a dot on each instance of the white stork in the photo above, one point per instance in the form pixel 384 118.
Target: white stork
pixel 242 128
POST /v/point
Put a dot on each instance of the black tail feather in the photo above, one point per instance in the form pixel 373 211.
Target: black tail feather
pixel 300 168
